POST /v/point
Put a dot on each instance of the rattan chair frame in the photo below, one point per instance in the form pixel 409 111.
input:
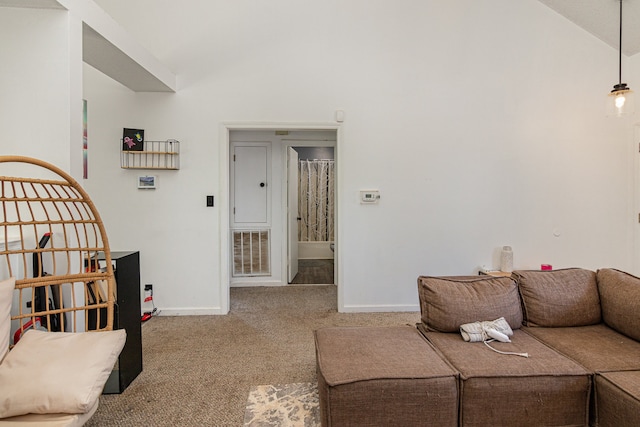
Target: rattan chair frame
pixel 83 286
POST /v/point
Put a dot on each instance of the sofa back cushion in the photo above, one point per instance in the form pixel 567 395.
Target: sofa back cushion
pixel 619 296
pixel 559 298
pixel 448 302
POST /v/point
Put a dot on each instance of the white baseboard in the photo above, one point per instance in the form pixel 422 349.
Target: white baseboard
pixel 196 311
pixel 383 308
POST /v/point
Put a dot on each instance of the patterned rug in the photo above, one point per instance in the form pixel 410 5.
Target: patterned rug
pixel 287 405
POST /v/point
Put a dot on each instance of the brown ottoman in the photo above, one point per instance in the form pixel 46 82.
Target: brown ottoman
pixel 383 376
pixel 618 399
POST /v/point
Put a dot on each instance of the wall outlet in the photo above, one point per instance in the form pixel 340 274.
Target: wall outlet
pixel 148 288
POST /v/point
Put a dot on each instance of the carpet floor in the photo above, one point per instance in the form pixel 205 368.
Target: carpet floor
pixel 200 370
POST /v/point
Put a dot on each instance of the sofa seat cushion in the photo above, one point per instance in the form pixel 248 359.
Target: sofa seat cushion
pixel 448 302
pixel 505 390
pixel 619 296
pixel 618 399
pixel 559 298
pixel 379 376
pixel 598 348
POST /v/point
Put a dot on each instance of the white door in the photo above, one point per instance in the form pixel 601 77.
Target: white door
pixel 250 209
pixel 292 213
pixel 250 195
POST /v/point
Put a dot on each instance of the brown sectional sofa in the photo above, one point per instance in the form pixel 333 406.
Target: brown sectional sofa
pixel 580 329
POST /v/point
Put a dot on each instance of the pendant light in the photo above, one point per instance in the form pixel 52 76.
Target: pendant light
pixel 620 99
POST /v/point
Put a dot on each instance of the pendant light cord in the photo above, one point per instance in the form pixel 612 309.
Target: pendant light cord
pixel 620 54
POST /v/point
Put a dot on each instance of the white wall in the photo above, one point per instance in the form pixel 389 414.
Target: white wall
pixel 480 122
pixel 35 85
pixel 170 226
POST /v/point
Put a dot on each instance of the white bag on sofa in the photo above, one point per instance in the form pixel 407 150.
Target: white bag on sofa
pixel 479 331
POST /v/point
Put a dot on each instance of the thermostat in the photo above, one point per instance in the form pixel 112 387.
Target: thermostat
pixel 369 196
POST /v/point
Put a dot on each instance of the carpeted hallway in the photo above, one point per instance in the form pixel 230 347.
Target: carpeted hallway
pixel 198 370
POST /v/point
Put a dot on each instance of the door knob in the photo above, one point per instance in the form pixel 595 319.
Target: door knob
pixel 262 184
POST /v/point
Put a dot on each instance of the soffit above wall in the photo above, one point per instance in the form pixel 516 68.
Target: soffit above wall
pixel 104 56
pixel 601 18
pixel 109 49
pixel 36 4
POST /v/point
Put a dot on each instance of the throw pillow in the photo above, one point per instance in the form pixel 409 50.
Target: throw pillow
pixel 448 302
pixel 559 298
pixel 57 372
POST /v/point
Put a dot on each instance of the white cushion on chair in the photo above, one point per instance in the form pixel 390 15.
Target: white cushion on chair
pixel 6 296
pixel 49 420
pixel 57 372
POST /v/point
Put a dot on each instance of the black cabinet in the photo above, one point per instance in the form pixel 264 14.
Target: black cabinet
pixel 127 317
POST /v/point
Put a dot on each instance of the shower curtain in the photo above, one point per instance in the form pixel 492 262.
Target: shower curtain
pixel 316 200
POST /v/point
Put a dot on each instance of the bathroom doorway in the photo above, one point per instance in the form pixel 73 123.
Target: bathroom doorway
pixel 315 222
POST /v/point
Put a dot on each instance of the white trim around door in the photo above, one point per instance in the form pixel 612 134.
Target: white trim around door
pixel 224 199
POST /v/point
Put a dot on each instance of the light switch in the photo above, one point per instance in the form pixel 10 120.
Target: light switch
pixel 209 201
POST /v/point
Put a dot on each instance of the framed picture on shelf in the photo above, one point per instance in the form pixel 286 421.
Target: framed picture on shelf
pixel 147 182
pixel 132 139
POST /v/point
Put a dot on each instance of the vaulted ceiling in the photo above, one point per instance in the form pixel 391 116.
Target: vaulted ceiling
pixel 602 19
pixel 598 17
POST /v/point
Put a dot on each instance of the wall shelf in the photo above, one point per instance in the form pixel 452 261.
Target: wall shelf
pixel 154 155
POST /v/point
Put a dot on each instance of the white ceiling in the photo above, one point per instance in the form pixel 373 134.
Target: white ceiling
pixel 598 17
pixel 602 19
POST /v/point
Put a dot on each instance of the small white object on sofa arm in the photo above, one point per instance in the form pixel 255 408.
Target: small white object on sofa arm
pixel 57 372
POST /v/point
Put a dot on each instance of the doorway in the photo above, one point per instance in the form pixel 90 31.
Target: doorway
pixel 315 211
pixel 280 139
